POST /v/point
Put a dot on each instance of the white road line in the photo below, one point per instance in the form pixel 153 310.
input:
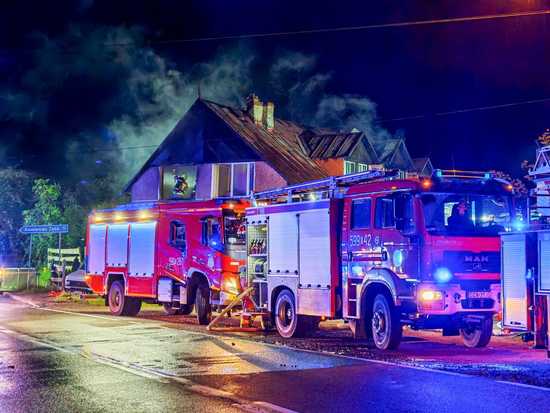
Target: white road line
pixel 264 406
pixel 529 386
pixel 359 359
pixel 154 374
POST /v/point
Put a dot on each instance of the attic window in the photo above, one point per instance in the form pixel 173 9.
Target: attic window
pixel 232 180
pixel 349 167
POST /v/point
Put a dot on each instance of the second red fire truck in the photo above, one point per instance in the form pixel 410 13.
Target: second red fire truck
pixel 381 249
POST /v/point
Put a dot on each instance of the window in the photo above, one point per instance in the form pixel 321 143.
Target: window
pixel 211 233
pixel 362 167
pixel 349 168
pixel 177 235
pixel 360 213
pixel 232 179
pixel 385 214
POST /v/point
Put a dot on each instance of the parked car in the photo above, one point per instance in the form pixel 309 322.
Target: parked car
pixel 75 282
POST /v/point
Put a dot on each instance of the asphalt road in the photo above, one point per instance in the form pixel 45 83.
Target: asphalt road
pixel 53 360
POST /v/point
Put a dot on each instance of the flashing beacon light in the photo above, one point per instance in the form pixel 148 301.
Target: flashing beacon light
pixel 518 225
pixel 426 184
pixel 443 275
pixel 510 187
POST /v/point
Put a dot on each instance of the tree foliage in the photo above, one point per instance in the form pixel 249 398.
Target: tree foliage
pixel 46 210
pixel 15 196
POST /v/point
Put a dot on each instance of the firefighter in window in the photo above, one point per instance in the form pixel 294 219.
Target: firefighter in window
pixel 460 220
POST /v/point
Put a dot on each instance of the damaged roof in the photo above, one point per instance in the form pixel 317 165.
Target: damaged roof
pixel 280 147
pixel 330 145
pixel 291 149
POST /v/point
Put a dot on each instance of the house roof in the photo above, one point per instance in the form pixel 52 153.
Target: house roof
pixel 293 150
pixel 330 145
pixel 280 147
pixel 421 163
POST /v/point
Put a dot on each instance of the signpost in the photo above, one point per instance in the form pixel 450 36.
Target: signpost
pixel 42 230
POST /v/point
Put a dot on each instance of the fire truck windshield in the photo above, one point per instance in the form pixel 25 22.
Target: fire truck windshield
pixel 464 214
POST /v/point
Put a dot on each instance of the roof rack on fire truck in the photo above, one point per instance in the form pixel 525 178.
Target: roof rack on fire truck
pixel 326 186
pixel 450 174
pixel 456 173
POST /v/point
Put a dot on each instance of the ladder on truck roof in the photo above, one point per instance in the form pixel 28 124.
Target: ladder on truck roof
pixel 328 185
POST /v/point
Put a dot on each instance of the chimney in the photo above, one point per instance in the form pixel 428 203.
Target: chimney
pixel 255 108
pixel 269 116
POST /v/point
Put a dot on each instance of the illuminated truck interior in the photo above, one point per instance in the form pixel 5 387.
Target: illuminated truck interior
pixel 459 214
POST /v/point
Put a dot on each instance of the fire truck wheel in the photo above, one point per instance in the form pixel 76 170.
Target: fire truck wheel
pixel 119 304
pixel 478 336
pixel 385 324
pixel 288 323
pixel 132 307
pixel 202 305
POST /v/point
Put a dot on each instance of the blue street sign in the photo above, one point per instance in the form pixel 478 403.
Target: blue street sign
pixel 45 229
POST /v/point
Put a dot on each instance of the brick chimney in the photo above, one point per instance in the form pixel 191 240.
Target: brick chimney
pixel 262 115
pixel 255 109
pixel 269 116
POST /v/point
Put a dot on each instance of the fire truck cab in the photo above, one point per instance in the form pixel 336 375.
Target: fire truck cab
pixel 180 254
pixel 382 250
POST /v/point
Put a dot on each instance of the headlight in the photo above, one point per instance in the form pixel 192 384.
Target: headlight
pixel 431 295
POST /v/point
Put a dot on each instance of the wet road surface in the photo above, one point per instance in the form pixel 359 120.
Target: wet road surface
pixel 52 360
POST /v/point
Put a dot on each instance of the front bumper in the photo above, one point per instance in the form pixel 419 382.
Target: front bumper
pixel 454 299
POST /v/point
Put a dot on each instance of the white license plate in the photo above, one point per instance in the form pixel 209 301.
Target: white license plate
pixel 478 294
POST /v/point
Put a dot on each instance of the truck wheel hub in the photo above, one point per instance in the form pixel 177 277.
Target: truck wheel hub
pixel 378 322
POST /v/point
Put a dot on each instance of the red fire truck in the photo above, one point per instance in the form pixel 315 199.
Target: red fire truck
pixel 382 250
pixel 179 254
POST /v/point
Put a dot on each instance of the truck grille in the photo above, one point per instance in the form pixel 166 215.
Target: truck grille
pixel 478 303
pixel 470 262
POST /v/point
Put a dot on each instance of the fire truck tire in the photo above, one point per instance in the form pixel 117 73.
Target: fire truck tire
pixel 287 321
pixel 119 304
pixel 385 324
pixel 132 307
pixel 202 305
pixel 478 336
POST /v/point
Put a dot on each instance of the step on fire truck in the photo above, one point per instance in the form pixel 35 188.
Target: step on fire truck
pixel 381 249
pixel 180 254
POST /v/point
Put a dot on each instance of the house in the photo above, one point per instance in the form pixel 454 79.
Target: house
pixel 220 151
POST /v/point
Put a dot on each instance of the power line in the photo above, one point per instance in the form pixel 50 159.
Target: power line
pixel 466 110
pixel 413 117
pixel 344 28
pixel 414 23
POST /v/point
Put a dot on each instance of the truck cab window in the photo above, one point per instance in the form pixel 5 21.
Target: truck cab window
pixel 177 235
pixel 212 233
pixel 360 213
pixel 385 213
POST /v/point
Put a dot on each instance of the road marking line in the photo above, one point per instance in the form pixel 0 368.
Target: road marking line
pixel 529 386
pixel 153 374
pixel 264 406
pixel 328 354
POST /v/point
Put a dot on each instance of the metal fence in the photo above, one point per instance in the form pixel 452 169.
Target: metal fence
pixel 16 279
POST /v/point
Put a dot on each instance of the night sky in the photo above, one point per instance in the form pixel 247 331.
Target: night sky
pixel 83 81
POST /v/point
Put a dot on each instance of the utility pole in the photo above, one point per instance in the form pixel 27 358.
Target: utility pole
pixel 30 252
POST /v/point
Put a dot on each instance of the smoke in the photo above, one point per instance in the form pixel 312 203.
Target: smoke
pixel 104 101
pixel 309 102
